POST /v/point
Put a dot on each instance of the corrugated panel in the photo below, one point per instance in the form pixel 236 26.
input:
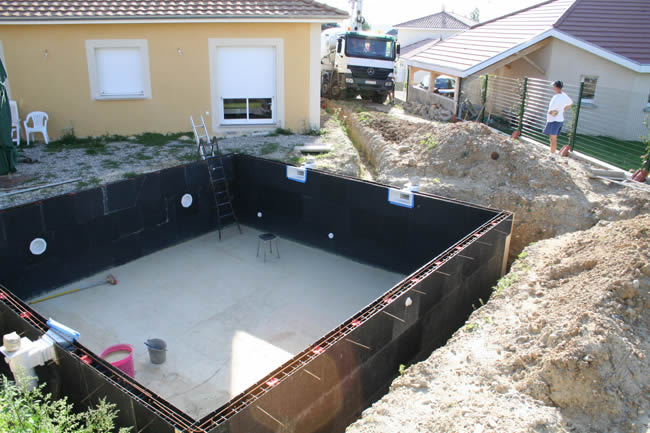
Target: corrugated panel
pixel 491 38
pixel 125 9
pixel 622 27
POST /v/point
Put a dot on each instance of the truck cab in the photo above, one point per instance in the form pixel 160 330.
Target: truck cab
pixel 362 63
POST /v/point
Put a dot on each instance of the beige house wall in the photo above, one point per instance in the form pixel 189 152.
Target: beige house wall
pixel 49 72
pixel 621 103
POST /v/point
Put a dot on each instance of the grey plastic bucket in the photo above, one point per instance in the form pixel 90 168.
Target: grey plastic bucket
pixel 157 350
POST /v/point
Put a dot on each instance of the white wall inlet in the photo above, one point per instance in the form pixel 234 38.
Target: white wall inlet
pixel 299 174
pixel 400 197
pixel 38 246
pixel 186 200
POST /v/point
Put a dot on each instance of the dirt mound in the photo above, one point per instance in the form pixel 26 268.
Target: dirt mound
pixel 562 346
pixel 472 162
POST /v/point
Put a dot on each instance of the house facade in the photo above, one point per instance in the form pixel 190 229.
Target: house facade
pixel 555 40
pixel 131 67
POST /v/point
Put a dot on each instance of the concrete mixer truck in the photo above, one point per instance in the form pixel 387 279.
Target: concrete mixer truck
pixel 354 62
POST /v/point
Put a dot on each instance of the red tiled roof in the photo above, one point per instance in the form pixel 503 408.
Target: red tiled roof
pixel 622 27
pixel 20 10
pixel 491 38
pixel 441 20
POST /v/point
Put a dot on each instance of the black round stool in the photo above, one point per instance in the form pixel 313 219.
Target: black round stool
pixel 268 238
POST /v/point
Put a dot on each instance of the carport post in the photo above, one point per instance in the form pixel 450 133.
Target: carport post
pixel 484 97
pixel 523 105
pixel 574 129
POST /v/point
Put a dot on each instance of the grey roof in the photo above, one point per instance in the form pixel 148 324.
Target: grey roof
pixel 18 10
pixel 622 26
pixel 491 38
pixel 441 20
pixel 408 51
pixel 392 32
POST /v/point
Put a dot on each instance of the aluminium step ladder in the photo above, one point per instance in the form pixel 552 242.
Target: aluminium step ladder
pixel 205 146
pixel 220 189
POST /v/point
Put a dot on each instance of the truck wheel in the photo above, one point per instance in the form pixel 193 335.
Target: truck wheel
pixel 325 87
pixel 379 98
pixel 335 91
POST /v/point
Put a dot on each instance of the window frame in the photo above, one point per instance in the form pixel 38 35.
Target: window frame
pixel 141 44
pixel 218 121
pixel 582 80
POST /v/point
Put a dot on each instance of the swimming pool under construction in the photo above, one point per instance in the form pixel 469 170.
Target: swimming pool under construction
pixel 361 278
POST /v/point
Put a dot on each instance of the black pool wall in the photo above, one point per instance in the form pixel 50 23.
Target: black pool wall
pixel 460 247
pixel 366 227
pixel 99 228
pixel 325 388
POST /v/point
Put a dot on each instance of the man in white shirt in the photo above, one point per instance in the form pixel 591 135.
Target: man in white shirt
pixel 555 115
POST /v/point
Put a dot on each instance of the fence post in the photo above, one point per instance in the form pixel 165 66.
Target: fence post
pixel 523 104
pixel 574 129
pixel 484 96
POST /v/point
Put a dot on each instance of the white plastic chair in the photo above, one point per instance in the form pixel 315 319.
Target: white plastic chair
pixel 39 120
pixel 15 122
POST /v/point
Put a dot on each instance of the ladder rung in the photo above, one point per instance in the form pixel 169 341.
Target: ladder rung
pixel 226 215
pixel 221 179
pixel 224 204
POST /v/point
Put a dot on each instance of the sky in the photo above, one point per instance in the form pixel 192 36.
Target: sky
pixel 383 14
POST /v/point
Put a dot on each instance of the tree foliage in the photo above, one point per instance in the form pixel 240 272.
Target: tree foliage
pixel 365 26
pixel 474 15
pixel 23 411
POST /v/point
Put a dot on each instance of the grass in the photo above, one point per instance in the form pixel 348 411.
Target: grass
pixel 188 156
pixel 429 141
pixel 111 163
pixel 129 174
pixel 283 131
pixel 269 148
pixel 316 132
pixel 141 156
pixel 158 139
pixel 296 160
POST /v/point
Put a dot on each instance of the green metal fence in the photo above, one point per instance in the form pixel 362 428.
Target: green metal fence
pixel 605 123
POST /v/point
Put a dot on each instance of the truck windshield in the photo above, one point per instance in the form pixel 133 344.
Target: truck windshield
pixel 366 47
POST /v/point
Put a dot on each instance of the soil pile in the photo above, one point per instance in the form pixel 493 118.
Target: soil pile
pixel 562 346
pixel 472 162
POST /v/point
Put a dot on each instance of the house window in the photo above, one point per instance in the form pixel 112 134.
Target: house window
pixel 589 90
pixel 247 84
pixel 118 69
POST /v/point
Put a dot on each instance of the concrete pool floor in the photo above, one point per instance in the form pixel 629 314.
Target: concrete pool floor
pixel 228 318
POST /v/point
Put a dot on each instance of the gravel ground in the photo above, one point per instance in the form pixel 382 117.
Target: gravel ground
pixel 109 159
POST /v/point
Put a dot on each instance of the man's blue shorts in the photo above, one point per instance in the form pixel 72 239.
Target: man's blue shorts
pixel 553 128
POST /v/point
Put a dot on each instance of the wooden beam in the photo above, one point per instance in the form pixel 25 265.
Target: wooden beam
pixel 513 58
pixel 534 65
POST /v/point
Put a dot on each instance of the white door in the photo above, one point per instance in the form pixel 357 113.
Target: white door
pixel 247 85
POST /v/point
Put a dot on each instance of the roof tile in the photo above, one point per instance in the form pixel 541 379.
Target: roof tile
pixel 622 27
pixel 14 10
pixel 441 20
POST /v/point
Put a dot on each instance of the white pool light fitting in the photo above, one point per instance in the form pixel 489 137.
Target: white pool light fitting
pixel 186 200
pixel 259 214
pixel 331 235
pixel 38 246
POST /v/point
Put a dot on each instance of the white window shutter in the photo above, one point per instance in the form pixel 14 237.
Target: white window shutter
pixel 119 71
